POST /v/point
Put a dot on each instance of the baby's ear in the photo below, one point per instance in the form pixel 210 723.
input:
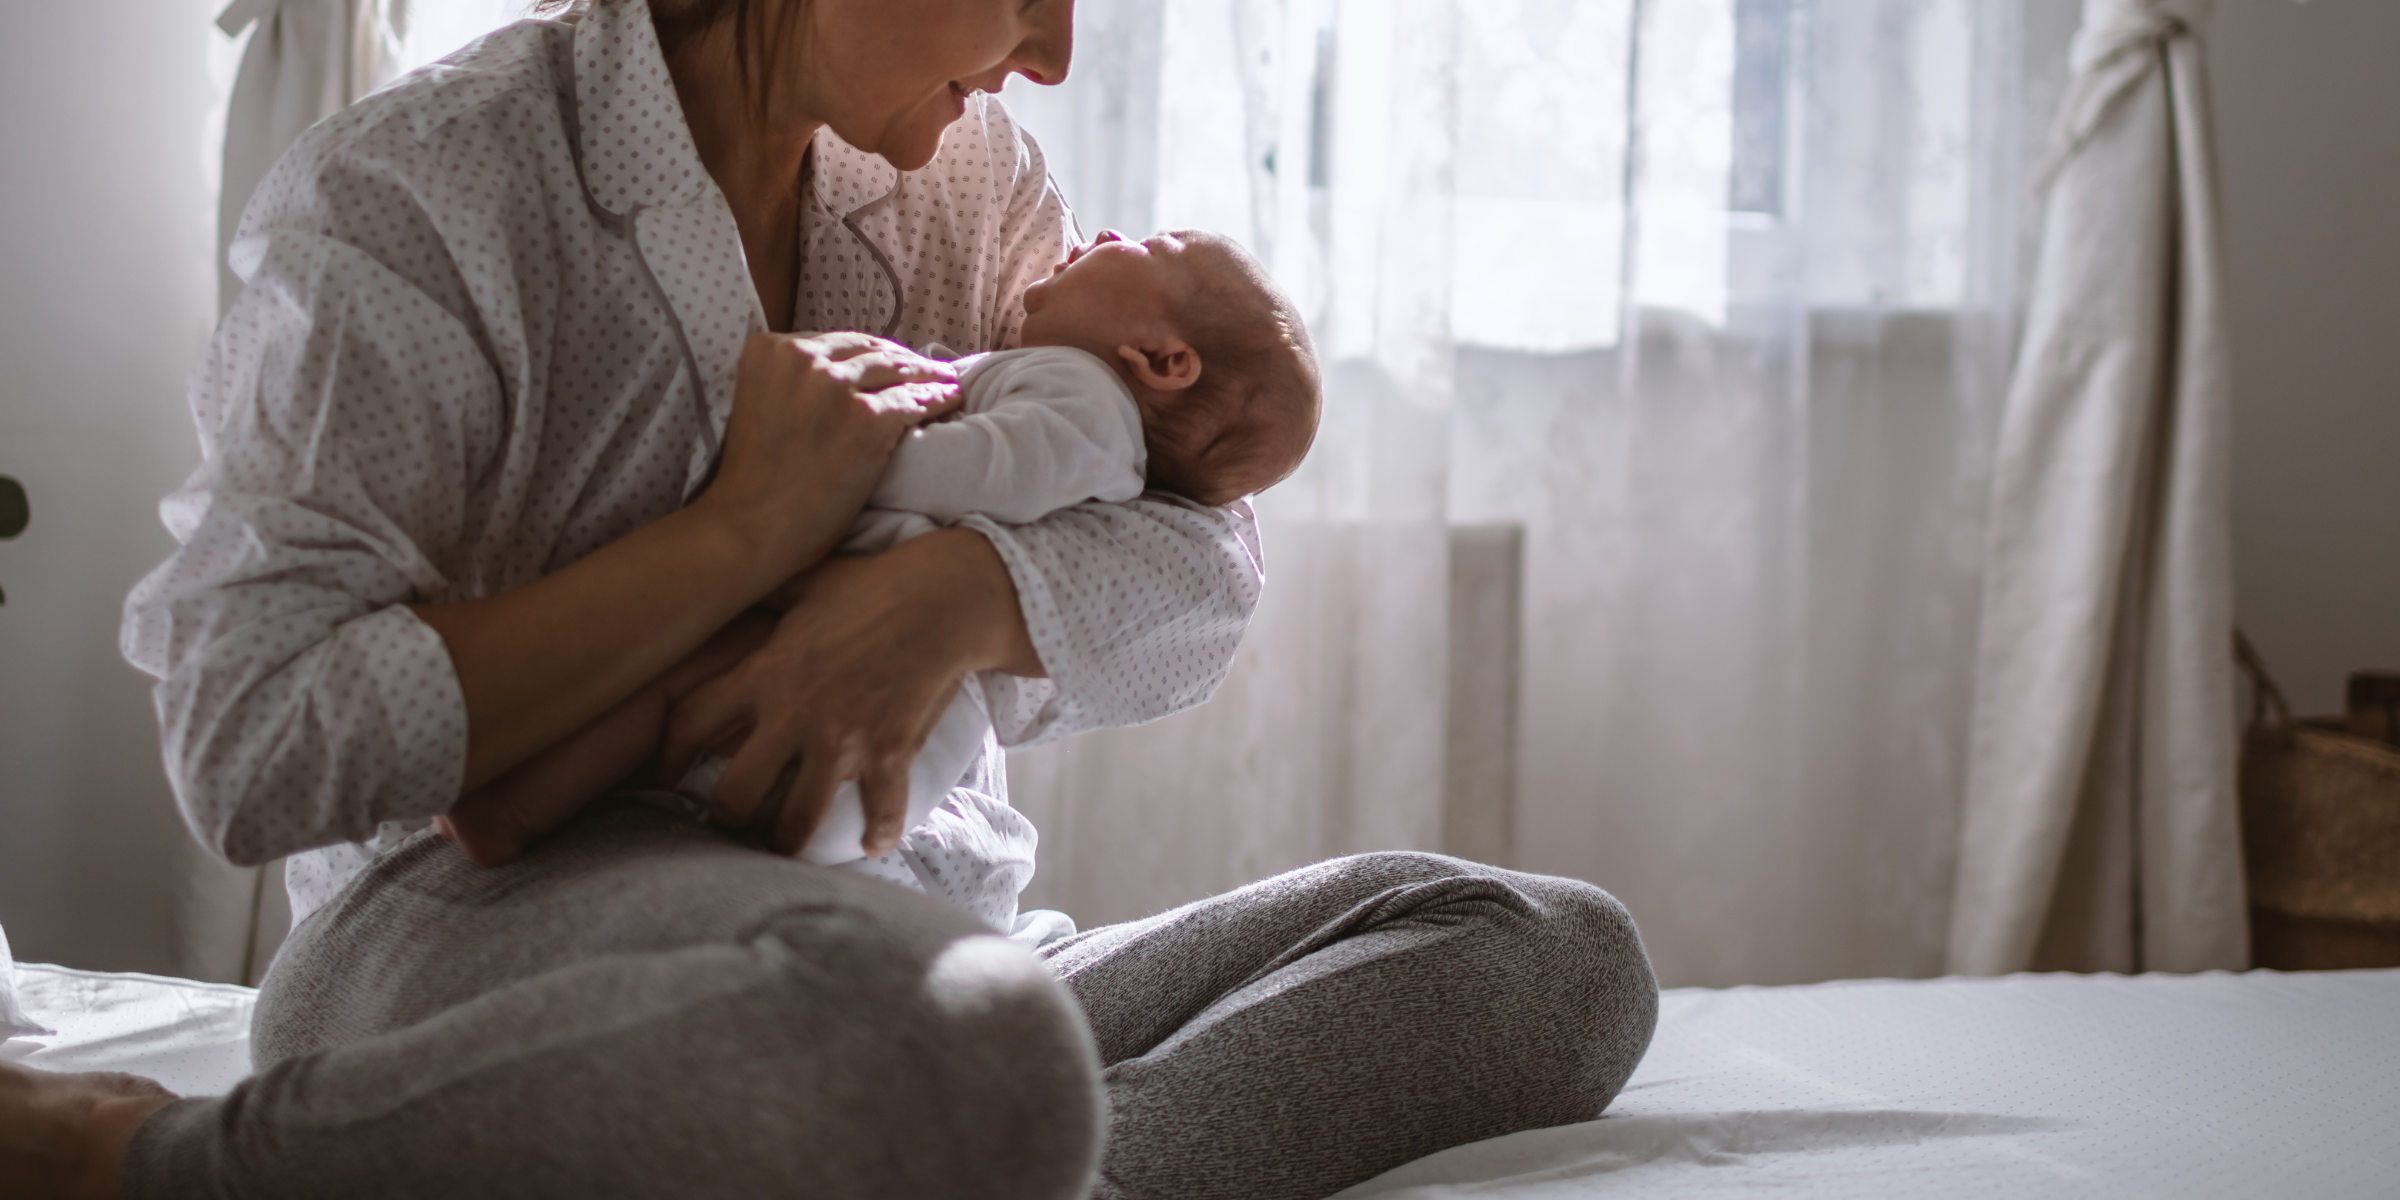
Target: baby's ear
pixel 1170 365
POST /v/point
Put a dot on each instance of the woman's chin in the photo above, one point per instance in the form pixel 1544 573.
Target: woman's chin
pixel 907 148
pixel 918 137
pixel 913 156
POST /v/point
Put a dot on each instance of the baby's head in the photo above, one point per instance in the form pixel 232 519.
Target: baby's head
pixel 1218 360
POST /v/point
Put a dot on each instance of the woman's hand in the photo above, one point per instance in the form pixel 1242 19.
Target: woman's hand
pixel 813 421
pixel 815 418
pixel 850 685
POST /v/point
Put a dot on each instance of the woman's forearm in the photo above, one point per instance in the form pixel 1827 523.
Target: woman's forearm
pixel 536 663
pixel 962 589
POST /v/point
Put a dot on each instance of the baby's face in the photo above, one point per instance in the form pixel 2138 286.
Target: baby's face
pixel 1113 291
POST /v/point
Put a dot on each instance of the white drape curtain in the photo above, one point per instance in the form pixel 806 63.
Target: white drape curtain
pixel 305 61
pixel 1689 322
pixel 2102 828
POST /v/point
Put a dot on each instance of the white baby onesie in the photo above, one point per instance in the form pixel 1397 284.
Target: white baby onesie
pixel 1040 429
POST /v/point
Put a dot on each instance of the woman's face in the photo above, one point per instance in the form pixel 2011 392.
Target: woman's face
pixel 890 75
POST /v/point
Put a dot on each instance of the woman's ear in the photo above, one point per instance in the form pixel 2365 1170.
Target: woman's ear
pixel 1169 365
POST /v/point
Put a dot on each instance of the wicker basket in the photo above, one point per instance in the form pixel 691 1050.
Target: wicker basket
pixel 2320 838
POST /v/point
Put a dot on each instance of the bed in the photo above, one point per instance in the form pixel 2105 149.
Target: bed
pixel 2191 1086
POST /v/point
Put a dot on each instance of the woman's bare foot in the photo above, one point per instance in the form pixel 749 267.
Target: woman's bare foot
pixel 64 1136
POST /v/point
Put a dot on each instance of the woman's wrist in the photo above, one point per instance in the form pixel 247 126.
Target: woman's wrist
pixel 779 541
pixel 962 598
pixel 982 598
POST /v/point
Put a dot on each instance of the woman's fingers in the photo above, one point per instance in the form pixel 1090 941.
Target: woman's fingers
pixel 700 721
pixel 842 346
pixel 883 793
pixel 844 343
pixel 851 683
pixel 876 372
pixel 753 785
pixel 916 403
pixel 811 793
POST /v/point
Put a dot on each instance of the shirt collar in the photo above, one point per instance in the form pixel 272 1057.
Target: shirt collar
pixel 847 178
pixel 637 149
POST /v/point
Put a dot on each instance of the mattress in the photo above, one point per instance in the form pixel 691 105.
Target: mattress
pixel 2193 1086
pixel 2184 1086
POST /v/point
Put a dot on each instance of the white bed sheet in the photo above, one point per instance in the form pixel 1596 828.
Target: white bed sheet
pixel 2194 1086
pixel 192 1037
pixel 2191 1087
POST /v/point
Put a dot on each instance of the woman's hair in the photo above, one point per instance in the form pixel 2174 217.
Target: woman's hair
pixel 758 30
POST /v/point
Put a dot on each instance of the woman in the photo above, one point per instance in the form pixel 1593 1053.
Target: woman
pixel 505 423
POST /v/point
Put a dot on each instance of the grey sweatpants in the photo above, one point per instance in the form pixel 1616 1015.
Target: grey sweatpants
pixel 643 1007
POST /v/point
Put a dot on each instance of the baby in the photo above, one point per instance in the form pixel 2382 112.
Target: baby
pixel 1170 364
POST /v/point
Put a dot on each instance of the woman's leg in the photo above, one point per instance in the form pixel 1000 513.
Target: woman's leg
pixel 640 1007
pixel 1302 1034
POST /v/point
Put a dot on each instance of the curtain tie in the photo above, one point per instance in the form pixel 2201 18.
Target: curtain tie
pixel 2113 51
pixel 241 14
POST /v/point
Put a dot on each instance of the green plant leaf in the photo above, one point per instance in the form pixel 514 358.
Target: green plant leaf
pixel 14 511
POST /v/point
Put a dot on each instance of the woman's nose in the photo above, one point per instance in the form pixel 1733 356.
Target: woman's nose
pixel 1049 47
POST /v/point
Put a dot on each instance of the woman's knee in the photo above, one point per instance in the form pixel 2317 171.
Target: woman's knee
pixel 1378 869
pixel 980 1060
pixel 1598 956
pixel 1023 1089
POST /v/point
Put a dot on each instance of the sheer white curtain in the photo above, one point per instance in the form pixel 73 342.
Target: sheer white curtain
pixel 1700 312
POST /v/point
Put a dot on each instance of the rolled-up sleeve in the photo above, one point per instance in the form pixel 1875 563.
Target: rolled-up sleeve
pixel 1136 610
pixel 345 419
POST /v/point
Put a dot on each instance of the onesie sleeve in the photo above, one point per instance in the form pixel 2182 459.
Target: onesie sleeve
pixel 345 417
pixel 1049 428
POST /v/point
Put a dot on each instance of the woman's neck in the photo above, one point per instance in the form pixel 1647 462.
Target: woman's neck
pixel 755 153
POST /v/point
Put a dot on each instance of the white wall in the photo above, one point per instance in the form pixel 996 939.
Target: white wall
pixel 106 297
pixel 2308 106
